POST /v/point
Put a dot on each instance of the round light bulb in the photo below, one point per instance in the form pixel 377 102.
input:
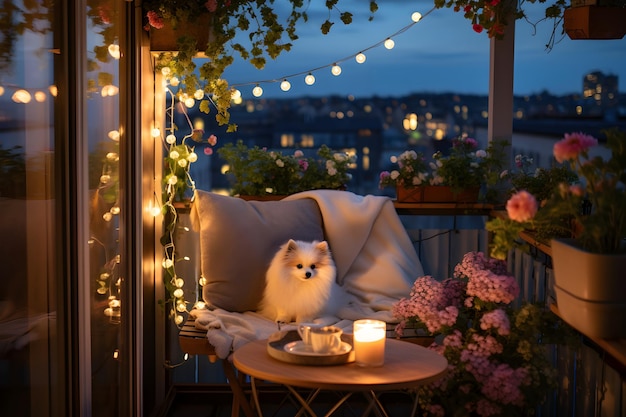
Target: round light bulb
pixel 235 94
pixel 156 132
pixel 114 135
pixel 285 85
pixel 170 139
pixel 165 71
pixel 416 17
pixel 114 51
pixel 360 57
pixel 155 211
pixel 190 102
pixel 309 79
pixel 53 90
pixel 40 96
pixel 389 43
pixel 198 94
pixel 1 90
pixel 257 91
pixel 335 70
pixel 21 96
pixel 174 81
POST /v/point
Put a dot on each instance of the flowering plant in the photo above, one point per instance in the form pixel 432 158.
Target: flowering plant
pixel 465 167
pixel 497 359
pixel 412 171
pixel 258 171
pixel 258 21
pixel 493 15
pixel 540 182
pixel 590 210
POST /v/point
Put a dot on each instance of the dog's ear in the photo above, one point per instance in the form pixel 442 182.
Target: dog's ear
pixel 322 246
pixel 291 246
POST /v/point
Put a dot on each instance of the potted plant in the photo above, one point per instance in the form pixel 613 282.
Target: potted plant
pixel 259 172
pixel 411 173
pixel 455 177
pixel 589 266
pixel 496 350
pixel 268 33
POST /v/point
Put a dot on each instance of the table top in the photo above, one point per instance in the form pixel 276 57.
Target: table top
pixel 406 365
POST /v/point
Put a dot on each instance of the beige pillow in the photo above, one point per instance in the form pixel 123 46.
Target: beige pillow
pixel 239 238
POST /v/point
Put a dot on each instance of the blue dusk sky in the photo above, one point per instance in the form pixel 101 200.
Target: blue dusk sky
pixel 441 53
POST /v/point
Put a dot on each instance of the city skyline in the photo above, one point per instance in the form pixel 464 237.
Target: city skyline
pixel 441 53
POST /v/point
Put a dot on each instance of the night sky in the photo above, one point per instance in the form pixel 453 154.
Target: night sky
pixel 441 53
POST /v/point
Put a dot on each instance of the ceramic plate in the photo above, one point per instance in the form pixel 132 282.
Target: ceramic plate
pixel 277 348
pixel 299 348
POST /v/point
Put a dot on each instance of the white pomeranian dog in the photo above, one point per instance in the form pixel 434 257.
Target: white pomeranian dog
pixel 300 283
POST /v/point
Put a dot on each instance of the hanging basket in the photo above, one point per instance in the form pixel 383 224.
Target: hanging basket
pixel 590 289
pixel 595 22
pixel 166 38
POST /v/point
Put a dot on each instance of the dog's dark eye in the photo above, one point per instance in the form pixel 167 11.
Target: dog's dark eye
pixel 299 266
pixel 313 266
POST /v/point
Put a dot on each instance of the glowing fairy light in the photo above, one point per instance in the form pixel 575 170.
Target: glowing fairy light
pixel 309 79
pixel 257 91
pixel 360 57
pixel 389 43
pixel 285 85
pixel 416 17
pixel 335 70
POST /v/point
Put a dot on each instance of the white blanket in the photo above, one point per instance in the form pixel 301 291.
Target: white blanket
pixel 376 264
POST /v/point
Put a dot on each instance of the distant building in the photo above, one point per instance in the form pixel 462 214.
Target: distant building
pixel 600 95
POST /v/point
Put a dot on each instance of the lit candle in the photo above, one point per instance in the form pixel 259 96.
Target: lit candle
pixel 369 342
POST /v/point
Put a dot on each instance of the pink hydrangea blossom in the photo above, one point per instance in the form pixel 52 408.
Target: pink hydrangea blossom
pixel 572 145
pixel 496 319
pixel 522 206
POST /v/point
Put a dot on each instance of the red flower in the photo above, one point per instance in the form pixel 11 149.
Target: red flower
pixel 477 28
pixel 155 20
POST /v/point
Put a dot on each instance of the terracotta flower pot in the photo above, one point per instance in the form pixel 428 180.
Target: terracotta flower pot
pixel 590 289
pixel 595 22
pixel 166 38
pixel 436 194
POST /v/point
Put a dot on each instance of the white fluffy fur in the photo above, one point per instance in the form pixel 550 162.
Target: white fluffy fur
pixel 300 283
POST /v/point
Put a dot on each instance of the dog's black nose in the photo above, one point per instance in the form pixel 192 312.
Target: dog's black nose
pixel 308 274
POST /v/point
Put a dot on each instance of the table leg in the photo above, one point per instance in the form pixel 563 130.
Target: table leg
pixel 239 397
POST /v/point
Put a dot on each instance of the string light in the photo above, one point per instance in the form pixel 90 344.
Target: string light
pixel 309 79
pixel 335 69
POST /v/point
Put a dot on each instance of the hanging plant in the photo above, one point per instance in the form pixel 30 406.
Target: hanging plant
pixel 268 34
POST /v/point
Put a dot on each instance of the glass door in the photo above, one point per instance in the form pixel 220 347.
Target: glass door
pixel 68 301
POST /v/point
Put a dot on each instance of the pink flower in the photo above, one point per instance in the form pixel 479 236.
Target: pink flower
pixel 212 140
pixel 208 151
pixel 304 164
pixel 154 19
pixel 522 206
pixel 572 145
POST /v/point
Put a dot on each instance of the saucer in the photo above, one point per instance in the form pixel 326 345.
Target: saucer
pixel 299 348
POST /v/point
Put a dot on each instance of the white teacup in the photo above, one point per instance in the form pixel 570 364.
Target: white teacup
pixel 325 339
pixel 304 330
